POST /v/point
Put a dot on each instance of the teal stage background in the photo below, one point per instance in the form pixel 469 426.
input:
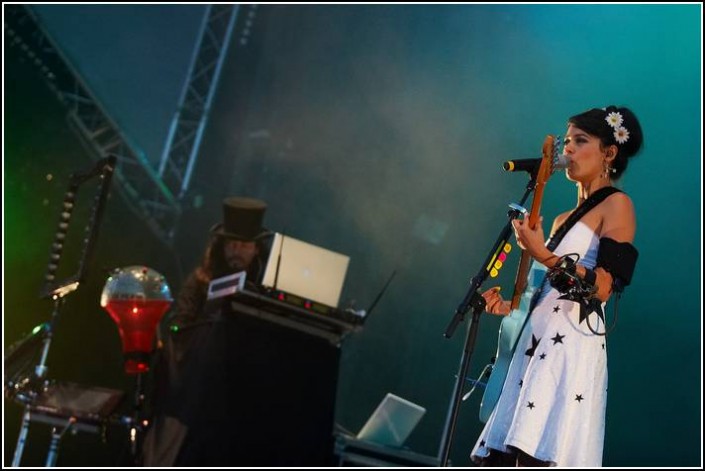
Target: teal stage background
pixel 378 131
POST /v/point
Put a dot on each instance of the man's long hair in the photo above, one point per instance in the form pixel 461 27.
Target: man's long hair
pixel 213 264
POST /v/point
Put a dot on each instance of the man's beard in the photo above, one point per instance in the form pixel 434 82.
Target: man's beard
pixel 236 264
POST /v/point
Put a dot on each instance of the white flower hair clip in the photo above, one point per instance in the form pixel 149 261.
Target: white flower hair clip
pixel 615 120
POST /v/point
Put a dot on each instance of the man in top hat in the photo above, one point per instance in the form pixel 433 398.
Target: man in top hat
pixel 222 372
pixel 240 232
pixel 236 244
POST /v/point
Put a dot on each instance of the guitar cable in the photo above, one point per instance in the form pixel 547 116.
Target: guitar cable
pixel 484 373
pixel 563 277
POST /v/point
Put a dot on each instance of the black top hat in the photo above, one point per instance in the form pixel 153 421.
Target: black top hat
pixel 242 219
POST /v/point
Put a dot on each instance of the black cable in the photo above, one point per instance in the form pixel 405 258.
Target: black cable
pixel 614 322
pixel 563 277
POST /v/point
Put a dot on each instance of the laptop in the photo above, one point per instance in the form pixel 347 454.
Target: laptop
pixel 305 270
pixel 392 422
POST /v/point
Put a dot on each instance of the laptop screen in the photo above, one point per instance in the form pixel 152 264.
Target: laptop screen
pixel 392 422
pixel 305 270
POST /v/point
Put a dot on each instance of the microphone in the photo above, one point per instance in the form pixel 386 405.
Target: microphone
pixel 530 165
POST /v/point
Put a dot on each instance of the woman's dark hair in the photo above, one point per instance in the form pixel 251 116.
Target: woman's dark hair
pixel 595 122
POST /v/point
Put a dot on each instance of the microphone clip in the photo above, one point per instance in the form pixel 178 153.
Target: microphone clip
pixel 516 209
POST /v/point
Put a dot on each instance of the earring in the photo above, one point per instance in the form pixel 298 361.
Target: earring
pixel 606 170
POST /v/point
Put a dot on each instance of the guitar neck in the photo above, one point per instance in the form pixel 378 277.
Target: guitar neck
pixel 521 279
pixel 522 272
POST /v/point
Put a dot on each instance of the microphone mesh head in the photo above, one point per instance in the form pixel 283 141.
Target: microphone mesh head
pixel 560 161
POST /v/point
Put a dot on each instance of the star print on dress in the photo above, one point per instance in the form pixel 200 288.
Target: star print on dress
pixel 534 344
pixel 558 338
pixel 587 306
pixel 592 305
pixel 482 443
pixel 572 375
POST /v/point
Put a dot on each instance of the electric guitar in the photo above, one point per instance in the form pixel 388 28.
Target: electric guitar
pixel 513 324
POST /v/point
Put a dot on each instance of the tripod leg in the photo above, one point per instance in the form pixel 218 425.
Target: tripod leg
pixel 53 448
pixel 56 436
pixel 21 440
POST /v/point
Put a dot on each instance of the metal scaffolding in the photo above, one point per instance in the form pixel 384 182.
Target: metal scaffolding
pixel 186 131
pixel 143 189
pixel 153 195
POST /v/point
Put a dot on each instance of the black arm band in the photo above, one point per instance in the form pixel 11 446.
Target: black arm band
pixel 618 258
pixel 590 277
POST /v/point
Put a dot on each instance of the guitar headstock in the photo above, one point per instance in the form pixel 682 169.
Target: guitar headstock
pixel 551 159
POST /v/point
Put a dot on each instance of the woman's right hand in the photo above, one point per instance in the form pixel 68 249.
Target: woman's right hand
pixel 494 304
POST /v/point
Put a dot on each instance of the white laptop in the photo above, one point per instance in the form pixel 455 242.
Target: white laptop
pixel 392 422
pixel 305 270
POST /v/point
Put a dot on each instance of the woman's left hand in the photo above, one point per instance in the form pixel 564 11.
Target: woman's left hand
pixel 531 240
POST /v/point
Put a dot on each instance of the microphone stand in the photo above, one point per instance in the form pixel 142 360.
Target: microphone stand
pixel 474 300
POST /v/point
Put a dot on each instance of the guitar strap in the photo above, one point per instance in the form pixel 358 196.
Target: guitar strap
pixel 500 367
pixel 593 200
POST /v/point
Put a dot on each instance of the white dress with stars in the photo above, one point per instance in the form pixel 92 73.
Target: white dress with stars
pixel 553 402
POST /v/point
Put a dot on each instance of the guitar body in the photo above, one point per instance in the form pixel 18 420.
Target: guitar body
pixel 524 288
pixel 509 332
